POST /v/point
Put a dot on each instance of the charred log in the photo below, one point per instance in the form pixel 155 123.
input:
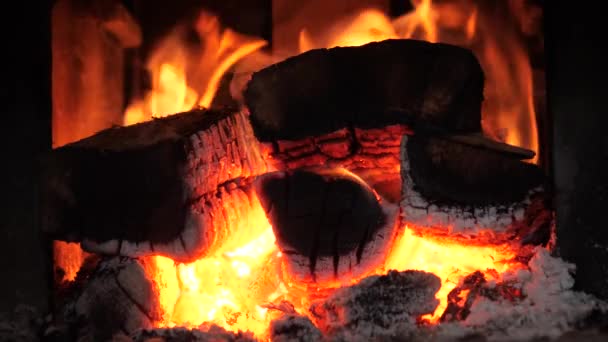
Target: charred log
pixel 117 298
pixel 327 223
pixel 372 154
pixel 378 306
pixel 149 188
pixel 460 190
pixel 415 83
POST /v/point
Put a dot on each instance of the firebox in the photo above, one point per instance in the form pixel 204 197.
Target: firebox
pixel 345 170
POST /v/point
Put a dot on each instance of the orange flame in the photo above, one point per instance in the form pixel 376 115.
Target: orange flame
pixel 450 261
pixel 184 76
pixel 68 257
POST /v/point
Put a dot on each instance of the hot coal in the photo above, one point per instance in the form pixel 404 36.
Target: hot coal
pixel 432 86
pixel 326 222
pixel 472 288
pixel 202 334
pixel 378 306
pixel 294 327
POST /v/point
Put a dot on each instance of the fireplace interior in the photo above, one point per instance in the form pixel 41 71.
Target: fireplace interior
pixel 311 171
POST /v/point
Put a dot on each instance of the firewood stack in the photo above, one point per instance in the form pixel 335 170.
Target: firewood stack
pixel 340 149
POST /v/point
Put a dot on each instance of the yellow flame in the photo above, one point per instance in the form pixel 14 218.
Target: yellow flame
pixel 450 261
pixel 184 76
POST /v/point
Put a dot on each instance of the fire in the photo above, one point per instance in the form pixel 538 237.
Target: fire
pixel 227 288
pixel 185 76
pixel 450 261
pixel 68 257
pixel 233 286
pixel 508 113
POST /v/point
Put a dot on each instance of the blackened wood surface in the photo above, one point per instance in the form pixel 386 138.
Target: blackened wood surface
pixel 434 86
pixel 122 182
pixel 461 192
pixel 450 172
pixel 169 186
pixel 301 203
pixel 576 81
pixel 330 213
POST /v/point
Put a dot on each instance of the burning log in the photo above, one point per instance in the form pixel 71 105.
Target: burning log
pixel 378 306
pixel 348 107
pixel 463 191
pixel 172 186
pixel 328 223
pixel 406 82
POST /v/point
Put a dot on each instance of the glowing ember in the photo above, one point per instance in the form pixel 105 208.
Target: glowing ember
pixel 450 261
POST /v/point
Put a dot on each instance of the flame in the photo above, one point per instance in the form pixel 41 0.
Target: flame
pixel 226 288
pixel 185 76
pixel 450 261
pixel 508 110
pixel 68 257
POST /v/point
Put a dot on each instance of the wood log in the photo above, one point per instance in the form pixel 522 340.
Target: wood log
pixel 460 191
pixel 415 83
pixel 328 223
pixel 372 154
pixel 372 309
pixel 204 332
pixel 171 186
pixel 117 297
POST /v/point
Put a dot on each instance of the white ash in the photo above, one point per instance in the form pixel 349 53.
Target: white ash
pixel 550 308
pixel 294 328
pixel 378 306
pixel 205 333
pixel 23 324
pixel 487 223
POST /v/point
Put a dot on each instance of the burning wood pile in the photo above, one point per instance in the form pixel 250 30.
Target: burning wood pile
pixel 353 197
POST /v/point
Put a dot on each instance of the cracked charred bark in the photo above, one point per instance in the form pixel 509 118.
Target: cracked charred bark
pixel 170 186
pixel 456 190
pixel 327 223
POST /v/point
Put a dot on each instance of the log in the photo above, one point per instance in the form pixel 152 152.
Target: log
pixel 171 186
pixel 116 298
pixel 460 191
pixel 415 83
pixel 378 306
pixel 328 223
pixel 372 154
